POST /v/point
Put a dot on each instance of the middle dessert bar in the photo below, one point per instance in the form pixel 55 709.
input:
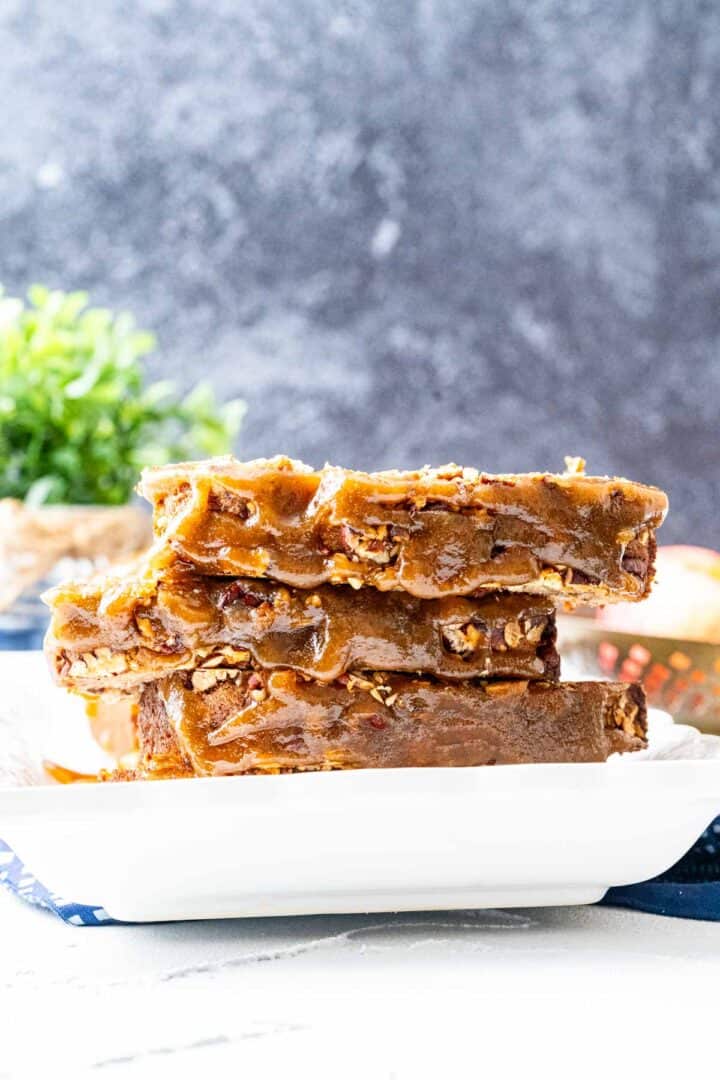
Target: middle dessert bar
pixel 129 630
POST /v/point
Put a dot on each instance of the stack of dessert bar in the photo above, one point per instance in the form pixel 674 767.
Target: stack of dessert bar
pixel 288 619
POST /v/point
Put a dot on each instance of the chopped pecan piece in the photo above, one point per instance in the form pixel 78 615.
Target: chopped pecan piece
pixel 462 639
pixel 373 545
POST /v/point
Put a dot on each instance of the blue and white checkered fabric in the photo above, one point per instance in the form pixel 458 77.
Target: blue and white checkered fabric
pixel 19 881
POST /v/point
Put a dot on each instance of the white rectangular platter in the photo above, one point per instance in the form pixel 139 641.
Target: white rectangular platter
pixel 384 840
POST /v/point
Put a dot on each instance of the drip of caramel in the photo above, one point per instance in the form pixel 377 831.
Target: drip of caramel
pixel 62 775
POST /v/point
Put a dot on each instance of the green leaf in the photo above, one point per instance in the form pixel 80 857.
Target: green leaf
pixel 77 417
pixel 157 392
pixel 82 386
pixel 42 490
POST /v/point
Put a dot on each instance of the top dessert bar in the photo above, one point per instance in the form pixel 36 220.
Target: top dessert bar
pixel 433 532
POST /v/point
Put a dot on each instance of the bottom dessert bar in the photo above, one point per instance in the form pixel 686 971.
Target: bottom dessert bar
pixel 280 722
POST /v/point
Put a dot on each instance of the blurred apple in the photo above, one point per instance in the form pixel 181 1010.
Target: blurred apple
pixel 684 602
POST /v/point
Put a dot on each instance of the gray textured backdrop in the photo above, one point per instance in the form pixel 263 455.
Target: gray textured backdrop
pixel 404 230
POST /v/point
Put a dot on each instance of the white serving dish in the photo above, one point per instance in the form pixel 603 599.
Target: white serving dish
pixel 519 835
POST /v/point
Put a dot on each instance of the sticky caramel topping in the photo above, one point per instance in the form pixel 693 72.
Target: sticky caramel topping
pixel 432 533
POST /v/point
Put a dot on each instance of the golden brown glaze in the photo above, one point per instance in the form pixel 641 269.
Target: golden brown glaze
pixel 121 632
pixel 281 722
pixel 432 533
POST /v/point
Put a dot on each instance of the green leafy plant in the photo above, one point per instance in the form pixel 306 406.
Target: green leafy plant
pixel 77 418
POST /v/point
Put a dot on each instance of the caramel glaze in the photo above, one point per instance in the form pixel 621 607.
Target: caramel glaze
pixel 145 628
pixel 286 723
pixel 449 531
pixel 63 775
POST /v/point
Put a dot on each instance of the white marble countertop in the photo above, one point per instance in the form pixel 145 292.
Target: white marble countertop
pixel 382 996
pixel 398 996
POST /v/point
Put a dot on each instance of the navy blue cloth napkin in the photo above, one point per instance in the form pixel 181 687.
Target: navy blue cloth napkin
pixel 689 890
